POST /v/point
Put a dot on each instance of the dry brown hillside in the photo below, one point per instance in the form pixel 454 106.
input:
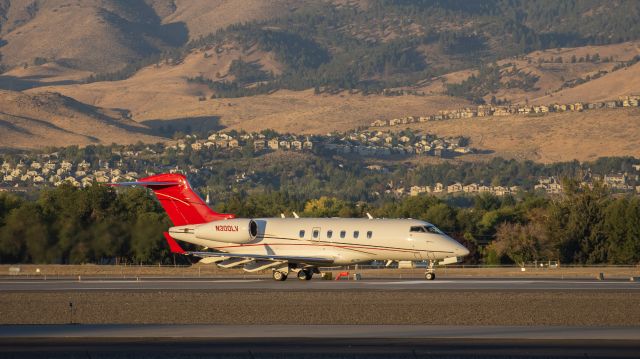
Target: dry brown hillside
pixel 205 17
pixel 49 119
pixel 552 75
pixel 51 73
pixel 162 92
pixel 96 35
pixel 584 136
pixel 105 35
pixel 619 83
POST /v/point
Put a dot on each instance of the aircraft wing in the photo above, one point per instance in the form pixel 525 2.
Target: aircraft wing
pixel 175 248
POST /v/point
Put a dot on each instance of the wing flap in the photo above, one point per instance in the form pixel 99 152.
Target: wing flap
pixel 261 264
pixel 293 259
pixel 212 257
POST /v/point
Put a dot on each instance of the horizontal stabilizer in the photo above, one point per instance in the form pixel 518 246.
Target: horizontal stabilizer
pixel 144 183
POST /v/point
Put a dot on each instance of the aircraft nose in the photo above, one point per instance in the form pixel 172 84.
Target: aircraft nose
pixel 463 251
pixel 458 249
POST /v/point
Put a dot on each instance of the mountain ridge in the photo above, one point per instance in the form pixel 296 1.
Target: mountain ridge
pixel 311 66
pixel 50 119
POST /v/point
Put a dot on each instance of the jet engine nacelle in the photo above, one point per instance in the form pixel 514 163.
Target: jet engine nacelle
pixel 239 230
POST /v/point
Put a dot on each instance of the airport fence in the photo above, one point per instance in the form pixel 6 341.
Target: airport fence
pixel 376 270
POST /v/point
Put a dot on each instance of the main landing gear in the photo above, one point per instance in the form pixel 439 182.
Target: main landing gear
pixel 305 274
pixel 431 273
pixel 281 274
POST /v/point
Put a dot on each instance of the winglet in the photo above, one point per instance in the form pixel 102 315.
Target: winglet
pixel 173 245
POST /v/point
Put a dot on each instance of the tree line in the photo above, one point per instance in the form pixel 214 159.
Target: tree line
pixel 100 224
pixel 92 225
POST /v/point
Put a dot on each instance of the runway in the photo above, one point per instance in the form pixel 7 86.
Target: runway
pixel 320 331
pixel 328 341
pixel 375 318
pixel 116 284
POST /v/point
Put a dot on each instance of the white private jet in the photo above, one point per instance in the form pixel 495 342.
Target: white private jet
pixel 298 245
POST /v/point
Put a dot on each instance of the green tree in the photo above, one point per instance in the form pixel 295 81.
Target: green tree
pixel 622 227
pixel 577 223
pixel 147 239
pixel 523 243
pixel 324 207
pixel 25 236
pixel 443 216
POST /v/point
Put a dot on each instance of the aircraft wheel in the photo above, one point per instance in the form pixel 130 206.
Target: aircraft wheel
pixel 279 276
pixel 304 274
pixel 430 276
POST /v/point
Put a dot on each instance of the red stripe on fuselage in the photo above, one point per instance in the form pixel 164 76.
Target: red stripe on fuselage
pixel 323 245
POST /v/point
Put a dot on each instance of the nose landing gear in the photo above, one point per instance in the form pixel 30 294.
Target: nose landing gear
pixel 431 273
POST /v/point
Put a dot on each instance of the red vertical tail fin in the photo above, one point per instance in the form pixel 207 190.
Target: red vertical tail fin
pixel 182 204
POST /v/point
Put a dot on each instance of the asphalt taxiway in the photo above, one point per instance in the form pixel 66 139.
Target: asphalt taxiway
pixel 136 300
pixel 116 284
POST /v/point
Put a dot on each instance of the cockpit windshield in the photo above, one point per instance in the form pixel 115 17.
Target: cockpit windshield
pixel 426 229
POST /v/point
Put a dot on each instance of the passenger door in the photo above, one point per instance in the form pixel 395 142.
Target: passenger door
pixel 414 240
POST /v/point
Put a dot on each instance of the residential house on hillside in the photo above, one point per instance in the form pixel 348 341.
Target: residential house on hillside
pixel 471 188
pixel 307 145
pixel 550 185
pixel 284 144
pixel 259 145
pixel 454 188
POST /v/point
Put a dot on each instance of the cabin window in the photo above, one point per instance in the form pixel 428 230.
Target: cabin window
pixel 433 229
pixel 343 234
pixel 316 233
pixel 419 229
pixel 369 234
pixel 302 233
pixel 329 233
pixel 356 234
pixel 426 229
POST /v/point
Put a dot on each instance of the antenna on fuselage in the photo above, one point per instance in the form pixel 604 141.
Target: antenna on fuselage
pixel 369 215
pixel 295 215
